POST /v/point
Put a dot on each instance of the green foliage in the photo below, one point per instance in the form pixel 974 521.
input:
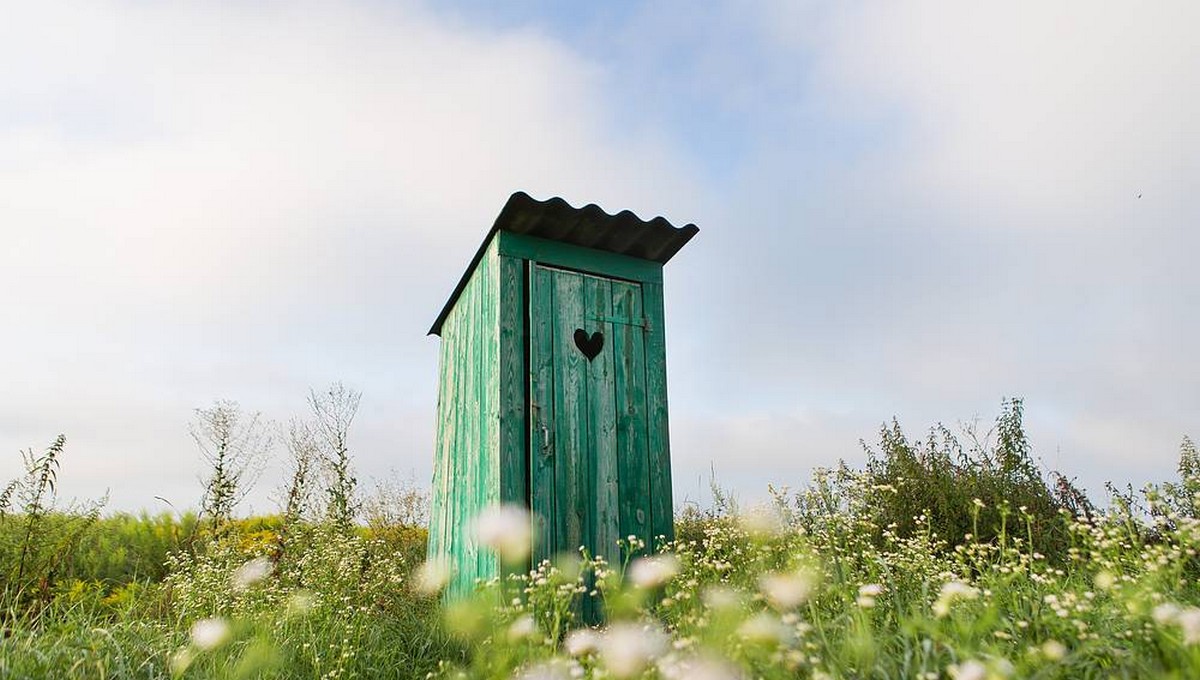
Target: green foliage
pixel 973 492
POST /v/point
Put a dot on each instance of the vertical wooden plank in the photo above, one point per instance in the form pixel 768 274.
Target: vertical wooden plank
pixel 570 399
pixel 603 488
pixel 661 500
pixel 542 436
pixel 633 460
pixel 513 379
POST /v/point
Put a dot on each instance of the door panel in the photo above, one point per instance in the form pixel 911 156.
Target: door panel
pixel 589 475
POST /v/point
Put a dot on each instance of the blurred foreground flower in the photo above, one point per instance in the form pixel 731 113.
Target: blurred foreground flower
pixel 208 634
pixel 654 571
pixel 950 593
pixel 251 572
pixel 506 529
pixel 581 642
pixel 432 576
pixel 628 648
pixel 786 591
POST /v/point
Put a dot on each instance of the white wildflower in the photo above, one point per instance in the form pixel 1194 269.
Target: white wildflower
pixel 786 591
pixel 762 521
pixel 654 571
pixel 697 668
pixel 1054 650
pixel 432 576
pixel 521 629
pixel 968 670
pixel 1165 613
pixel 554 669
pixel 208 634
pixel 1189 623
pixel 871 590
pixel 950 593
pixel 763 627
pixel 720 597
pixel 582 641
pixel 300 602
pixel 250 573
pixel 627 648
pixel 507 530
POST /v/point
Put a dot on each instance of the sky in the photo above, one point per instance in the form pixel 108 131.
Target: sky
pixel 907 209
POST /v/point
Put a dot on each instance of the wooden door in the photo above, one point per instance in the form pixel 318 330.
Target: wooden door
pixel 589 458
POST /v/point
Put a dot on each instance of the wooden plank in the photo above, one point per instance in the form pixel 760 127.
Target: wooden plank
pixel 581 259
pixel 661 500
pixel 570 403
pixel 542 414
pixel 633 461
pixel 603 487
pixel 513 379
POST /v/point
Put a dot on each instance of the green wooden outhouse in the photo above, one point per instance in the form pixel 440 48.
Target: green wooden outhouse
pixel 552 390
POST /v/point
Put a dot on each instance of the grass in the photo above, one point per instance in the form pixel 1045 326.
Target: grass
pixel 937 560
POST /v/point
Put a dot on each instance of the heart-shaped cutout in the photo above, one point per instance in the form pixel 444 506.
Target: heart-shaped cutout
pixel 590 345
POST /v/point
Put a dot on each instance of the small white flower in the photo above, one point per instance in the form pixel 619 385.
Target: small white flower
pixel 968 670
pixel 251 572
pixel 524 627
pixel 432 576
pixel 762 522
pixel 871 590
pixel 582 641
pixel 1165 613
pixel 627 648
pixel 720 597
pixel 786 591
pixel 208 634
pixel 763 627
pixel 1054 650
pixel 950 593
pixel 1189 623
pixel 555 669
pixel 654 571
pixel 865 601
pixel 507 530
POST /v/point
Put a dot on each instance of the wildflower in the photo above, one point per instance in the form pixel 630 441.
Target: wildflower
pixel 180 660
pixel 1105 580
pixel 654 571
pixel 951 592
pixel 523 628
pixel 720 597
pixel 554 669
pixel 250 573
pixel 627 648
pixel 506 529
pixel 786 591
pixel 697 668
pixel 763 627
pixel 432 576
pixel 968 670
pixel 208 634
pixel 1165 613
pixel 581 642
pixel 1189 623
pixel 1054 650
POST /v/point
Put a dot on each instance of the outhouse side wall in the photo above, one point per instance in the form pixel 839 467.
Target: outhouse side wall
pixel 466 475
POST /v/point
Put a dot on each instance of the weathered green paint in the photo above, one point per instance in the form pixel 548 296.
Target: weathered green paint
pixel 596 412
pixel 567 256
pixel 524 417
pixel 466 473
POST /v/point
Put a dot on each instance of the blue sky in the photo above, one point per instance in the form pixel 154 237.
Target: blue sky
pixel 908 209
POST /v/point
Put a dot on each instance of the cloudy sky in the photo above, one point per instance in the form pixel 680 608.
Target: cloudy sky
pixel 907 209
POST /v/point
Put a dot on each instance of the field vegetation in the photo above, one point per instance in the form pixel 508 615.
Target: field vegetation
pixel 952 556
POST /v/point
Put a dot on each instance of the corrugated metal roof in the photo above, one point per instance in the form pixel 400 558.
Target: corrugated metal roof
pixel 624 233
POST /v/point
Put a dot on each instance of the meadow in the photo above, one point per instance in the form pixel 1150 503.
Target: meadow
pixel 952 556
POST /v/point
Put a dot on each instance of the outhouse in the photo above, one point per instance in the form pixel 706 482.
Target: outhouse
pixel 552 390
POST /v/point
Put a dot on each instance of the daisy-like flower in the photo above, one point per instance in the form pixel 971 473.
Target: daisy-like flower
pixel 628 648
pixel 786 591
pixel 208 634
pixel 432 576
pixel 950 593
pixel 507 530
pixel 251 573
pixel 654 571
pixel 581 642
